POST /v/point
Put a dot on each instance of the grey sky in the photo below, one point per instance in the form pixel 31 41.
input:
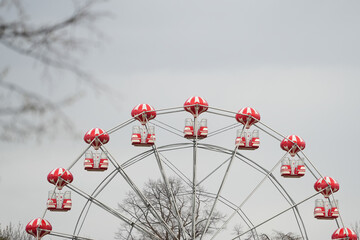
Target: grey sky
pixel 297 63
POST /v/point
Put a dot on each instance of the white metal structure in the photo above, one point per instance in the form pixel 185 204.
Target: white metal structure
pixel 235 180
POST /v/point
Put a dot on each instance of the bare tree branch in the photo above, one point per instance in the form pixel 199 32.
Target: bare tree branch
pixel 56 45
pixel 157 194
pixel 11 232
pixel 356 228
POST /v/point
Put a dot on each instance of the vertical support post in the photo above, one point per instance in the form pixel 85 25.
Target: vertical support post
pixel 194 217
pixel 167 184
pixel 221 185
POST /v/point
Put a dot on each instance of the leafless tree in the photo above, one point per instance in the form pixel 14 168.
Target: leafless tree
pixel 277 235
pixel 12 232
pixel 57 46
pixel 356 228
pixel 157 194
pixel 238 230
pixel 286 236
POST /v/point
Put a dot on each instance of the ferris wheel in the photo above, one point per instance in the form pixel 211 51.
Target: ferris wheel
pixel 218 162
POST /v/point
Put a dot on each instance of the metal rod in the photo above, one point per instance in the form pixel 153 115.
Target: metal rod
pixel 232 206
pixel 213 171
pixel 170 112
pixel 139 193
pixel 268 133
pixel 180 174
pixel 177 134
pixel 121 125
pixel 248 197
pixel 193 202
pixel 168 109
pixel 276 215
pixel 222 184
pixel 78 158
pixel 283 136
pixel 68 236
pixel 224 129
pixel 95 193
pixel 168 189
pixel 222 110
pixel 332 193
pixel 110 210
pixel 167 125
pixel 220 114
pixel 147 153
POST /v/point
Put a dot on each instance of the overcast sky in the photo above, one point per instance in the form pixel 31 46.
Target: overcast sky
pixel 297 63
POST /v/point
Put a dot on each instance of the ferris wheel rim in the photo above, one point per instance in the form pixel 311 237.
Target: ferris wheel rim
pixel 215 148
pixel 197 144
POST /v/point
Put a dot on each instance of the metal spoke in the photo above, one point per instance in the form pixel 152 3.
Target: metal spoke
pixel 224 129
pixel 63 235
pixel 248 197
pixel 232 206
pixel 221 186
pixel 175 170
pixel 78 158
pixel 95 193
pixel 109 209
pixel 168 189
pixel 167 125
pixel 173 132
pixel 122 125
pixel 139 193
pixel 276 215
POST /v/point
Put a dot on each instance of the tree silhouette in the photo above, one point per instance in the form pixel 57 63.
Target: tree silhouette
pixel 11 232
pixel 158 196
pixel 253 235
